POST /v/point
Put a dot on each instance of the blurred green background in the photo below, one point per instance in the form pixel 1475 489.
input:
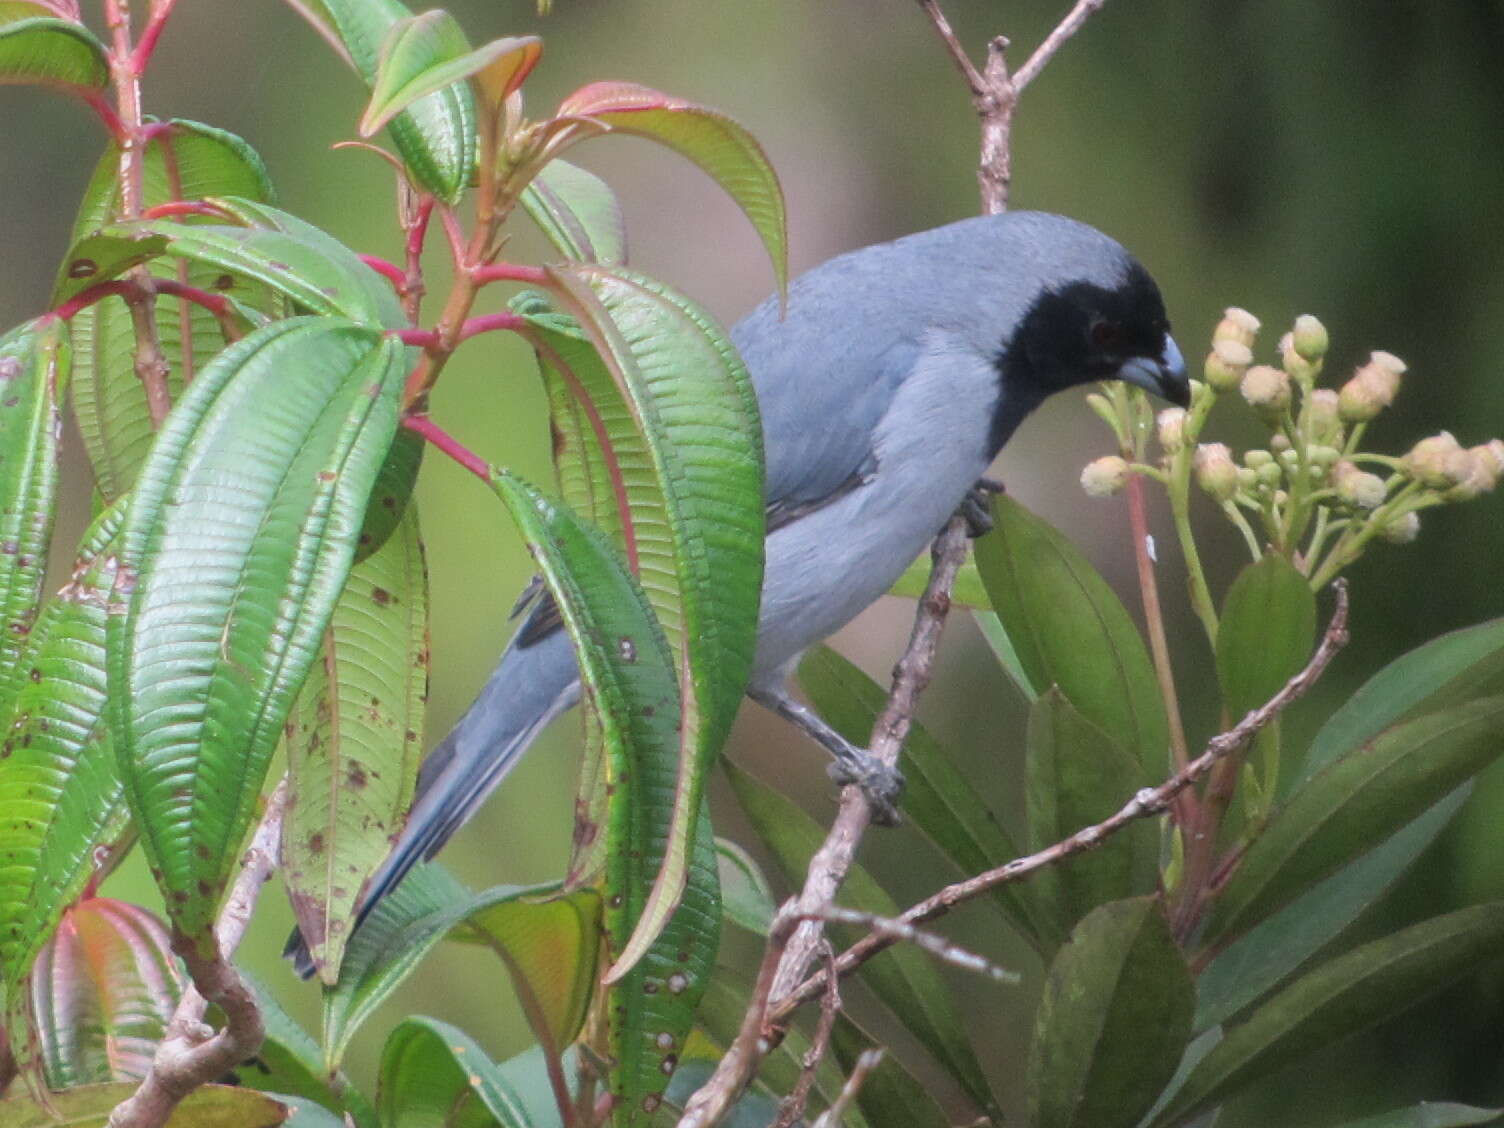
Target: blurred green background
pixel 1345 159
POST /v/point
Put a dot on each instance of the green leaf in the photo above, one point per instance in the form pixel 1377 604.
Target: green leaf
pixel 89 1106
pixel 436 134
pixel 49 52
pixel 1267 954
pixel 546 940
pixel 354 742
pixel 968 590
pixel 59 785
pixel 1070 630
pixel 1342 997
pixel 695 535
pixel 578 212
pixel 746 896
pixel 1265 635
pixel 631 697
pixel 1114 1020
pixel 891 1096
pixel 429 52
pixel 1444 673
pixel 1003 649
pixel 434 1073
pixel 711 140
pixel 903 976
pixel 240 536
pixel 317 272
pixel 102 993
pixel 1075 775
pixel 1429 1114
pixel 34 362
pixel 391 493
pixel 182 160
pixel 937 799
pixel 1353 804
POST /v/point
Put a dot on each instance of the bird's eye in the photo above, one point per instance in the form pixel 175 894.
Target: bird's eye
pixel 1106 334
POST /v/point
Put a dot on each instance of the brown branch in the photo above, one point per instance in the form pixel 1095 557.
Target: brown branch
pixel 994 93
pixel 191 1053
pixel 1150 801
pixel 831 1117
pixel 791 1109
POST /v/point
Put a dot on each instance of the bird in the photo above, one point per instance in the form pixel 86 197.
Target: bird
pixel 887 383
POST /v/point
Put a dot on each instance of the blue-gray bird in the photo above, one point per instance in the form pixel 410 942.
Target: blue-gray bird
pixel 886 389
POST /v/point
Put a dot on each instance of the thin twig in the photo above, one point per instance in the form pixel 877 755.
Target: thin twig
pixel 899 931
pixel 191 1053
pixel 865 1064
pixel 792 1107
pixel 1150 801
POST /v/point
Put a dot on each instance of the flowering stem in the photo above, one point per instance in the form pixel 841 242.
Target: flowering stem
pixel 1245 528
pixel 1180 512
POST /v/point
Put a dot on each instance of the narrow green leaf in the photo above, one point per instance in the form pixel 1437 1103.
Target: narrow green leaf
pixel 429 52
pixel 937 799
pixel 1430 1114
pixel 578 212
pixel 59 785
pixel 631 699
pixel 1355 803
pixel 1076 775
pixel 1267 954
pixel 102 993
pixel 34 363
pixel 968 590
pixel 436 135
pixel 89 1106
pixel 1444 673
pixel 698 544
pixel 182 160
pixel 1265 634
pixel 746 896
pixel 434 1073
pixel 240 536
pixel 354 742
pixel 1340 998
pixel 1070 630
pixel 902 977
pixel 711 140
pixel 1003 649
pixel 1114 1020
pixel 51 52
pixel 547 941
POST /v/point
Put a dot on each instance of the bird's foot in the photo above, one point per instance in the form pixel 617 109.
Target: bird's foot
pixel 881 784
pixel 976 506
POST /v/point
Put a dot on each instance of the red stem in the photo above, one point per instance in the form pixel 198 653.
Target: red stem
pixel 509 272
pixel 489 323
pixel 105 112
pixel 141 56
pixel 388 270
pixel 423 338
pixel 176 208
pixel 85 298
pixel 433 433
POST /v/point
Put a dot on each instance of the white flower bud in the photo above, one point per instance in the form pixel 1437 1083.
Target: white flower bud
pixel 1226 364
pixel 1105 476
pixel 1266 389
pixel 1439 462
pixel 1237 325
pixel 1326 420
pixel 1309 338
pixel 1402 530
pixel 1170 427
pixel 1358 487
pixel 1372 387
pixel 1216 472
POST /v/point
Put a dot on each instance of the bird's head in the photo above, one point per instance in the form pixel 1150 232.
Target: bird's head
pixel 1099 317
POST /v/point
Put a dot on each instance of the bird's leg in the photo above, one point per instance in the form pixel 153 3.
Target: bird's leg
pixel 881 784
pixel 976 506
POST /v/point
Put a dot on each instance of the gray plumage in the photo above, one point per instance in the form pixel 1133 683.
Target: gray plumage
pixel 887 388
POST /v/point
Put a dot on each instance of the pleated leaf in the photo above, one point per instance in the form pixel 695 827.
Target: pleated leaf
pixel 903 977
pixel 240 536
pixel 632 702
pixel 1070 630
pixel 578 212
pixel 183 160
pixel 435 134
pixel 695 533
pixel 715 142
pixel 354 742
pixel 59 785
pixel 103 990
pixel 34 364
pixel 51 52
pixel 1355 803
pixel 434 1073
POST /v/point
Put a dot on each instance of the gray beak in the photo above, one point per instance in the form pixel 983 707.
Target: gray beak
pixel 1165 377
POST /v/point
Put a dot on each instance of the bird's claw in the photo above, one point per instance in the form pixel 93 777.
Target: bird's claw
pixel 976 506
pixel 881 784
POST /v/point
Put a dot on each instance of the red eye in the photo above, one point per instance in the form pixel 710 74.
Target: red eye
pixel 1106 334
